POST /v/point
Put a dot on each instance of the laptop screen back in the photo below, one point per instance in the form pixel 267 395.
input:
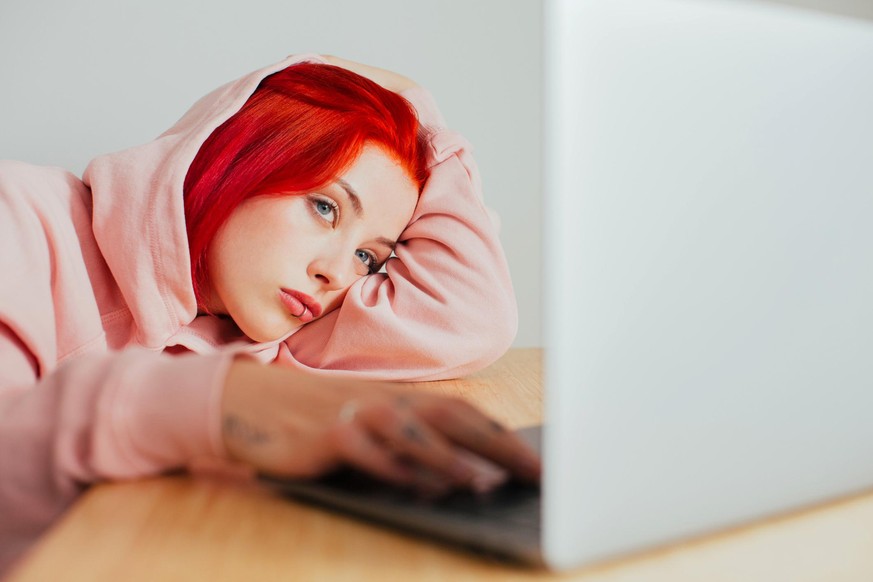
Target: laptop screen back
pixel 709 267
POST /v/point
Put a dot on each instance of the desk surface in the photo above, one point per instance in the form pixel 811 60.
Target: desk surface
pixel 184 528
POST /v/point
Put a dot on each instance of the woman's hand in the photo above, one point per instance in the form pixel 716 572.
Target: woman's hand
pixel 388 79
pixel 289 424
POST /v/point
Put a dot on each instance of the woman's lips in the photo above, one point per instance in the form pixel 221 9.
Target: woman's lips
pixel 300 305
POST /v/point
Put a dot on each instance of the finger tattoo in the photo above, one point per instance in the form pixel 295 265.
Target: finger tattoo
pixel 497 427
pixel 413 433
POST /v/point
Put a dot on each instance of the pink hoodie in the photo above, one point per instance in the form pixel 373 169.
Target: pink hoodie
pixel 106 372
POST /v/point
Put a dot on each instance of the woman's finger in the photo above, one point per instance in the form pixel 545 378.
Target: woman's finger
pixel 395 423
pixel 354 445
pixel 468 427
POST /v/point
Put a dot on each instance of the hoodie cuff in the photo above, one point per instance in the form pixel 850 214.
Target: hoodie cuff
pixel 173 416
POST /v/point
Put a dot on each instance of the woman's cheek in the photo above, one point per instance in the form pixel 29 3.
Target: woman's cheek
pixel 335 303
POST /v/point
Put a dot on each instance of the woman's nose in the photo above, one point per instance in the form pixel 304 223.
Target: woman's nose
pixel 330 273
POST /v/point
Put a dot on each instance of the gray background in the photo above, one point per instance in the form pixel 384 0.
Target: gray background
pixel 84 78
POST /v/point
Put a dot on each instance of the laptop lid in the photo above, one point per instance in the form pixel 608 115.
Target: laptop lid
pixel 708 269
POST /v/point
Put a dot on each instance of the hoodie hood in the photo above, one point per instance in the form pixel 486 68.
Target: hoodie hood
pixel 139 216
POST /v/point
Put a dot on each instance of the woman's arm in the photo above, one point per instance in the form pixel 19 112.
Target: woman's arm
pixel 446 306
pixel 294 424
pixel 111 416
pixel 135 413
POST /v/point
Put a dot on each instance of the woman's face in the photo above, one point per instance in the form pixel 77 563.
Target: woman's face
pixel 282 261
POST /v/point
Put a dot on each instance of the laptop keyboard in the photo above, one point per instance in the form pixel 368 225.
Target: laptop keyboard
pixel 504 522
pixel 513 504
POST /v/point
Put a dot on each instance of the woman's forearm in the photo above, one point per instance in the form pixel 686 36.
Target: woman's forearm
pixel 112 416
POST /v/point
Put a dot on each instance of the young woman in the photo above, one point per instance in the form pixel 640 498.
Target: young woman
pixel 316 215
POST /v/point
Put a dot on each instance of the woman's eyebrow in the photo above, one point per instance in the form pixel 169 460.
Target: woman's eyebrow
pixel 353 197
pixel 359 210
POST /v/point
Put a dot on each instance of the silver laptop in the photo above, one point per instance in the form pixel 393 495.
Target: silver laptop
pixel 708 278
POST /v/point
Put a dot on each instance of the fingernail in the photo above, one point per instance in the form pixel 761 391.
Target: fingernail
pixel 462 471
pixel 484 482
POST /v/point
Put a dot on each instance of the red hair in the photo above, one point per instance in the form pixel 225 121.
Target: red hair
pixel 302 127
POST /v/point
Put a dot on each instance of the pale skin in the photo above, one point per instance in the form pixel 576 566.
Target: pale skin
pixel 317 244
pixel 286 423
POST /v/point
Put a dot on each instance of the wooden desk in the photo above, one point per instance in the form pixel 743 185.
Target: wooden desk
pixel 182 528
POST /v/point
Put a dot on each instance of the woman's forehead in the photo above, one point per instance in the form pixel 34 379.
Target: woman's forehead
pixel 378 188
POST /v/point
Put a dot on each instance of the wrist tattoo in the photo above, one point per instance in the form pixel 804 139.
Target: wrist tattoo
pixel 237 428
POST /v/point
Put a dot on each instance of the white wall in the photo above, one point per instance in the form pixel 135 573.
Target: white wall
pixel 83 78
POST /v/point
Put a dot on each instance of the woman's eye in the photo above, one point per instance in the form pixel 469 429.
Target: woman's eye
pixel 367 258
pixel 323 208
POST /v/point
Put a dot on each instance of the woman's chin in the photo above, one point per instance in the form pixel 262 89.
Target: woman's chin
pixel 268 331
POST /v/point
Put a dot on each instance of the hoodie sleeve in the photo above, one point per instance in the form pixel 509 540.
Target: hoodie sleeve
pixel 445 306
pixel 112 416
